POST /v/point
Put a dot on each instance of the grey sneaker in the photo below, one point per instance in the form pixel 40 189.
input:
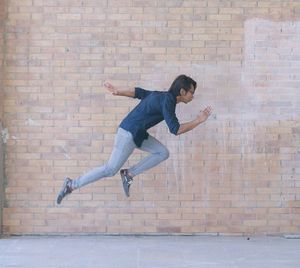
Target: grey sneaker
pixel 126 180
pixel 65 190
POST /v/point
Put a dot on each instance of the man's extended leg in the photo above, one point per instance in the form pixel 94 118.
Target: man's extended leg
pixel 123 148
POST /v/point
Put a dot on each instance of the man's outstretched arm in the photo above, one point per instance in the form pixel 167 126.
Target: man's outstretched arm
pixel 202 117
pixel 130 92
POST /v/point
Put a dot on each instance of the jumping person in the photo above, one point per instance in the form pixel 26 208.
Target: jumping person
pixel 154 107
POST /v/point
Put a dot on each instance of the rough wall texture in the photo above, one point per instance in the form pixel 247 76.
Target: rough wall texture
pixel 239 173
pixel 2 20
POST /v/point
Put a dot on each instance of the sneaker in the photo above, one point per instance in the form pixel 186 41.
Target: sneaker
pixel 126 180
pixel 65 190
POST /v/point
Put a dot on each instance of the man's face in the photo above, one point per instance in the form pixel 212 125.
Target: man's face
pixel 188 96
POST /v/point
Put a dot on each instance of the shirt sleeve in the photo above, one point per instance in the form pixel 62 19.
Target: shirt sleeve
pixel 141 93
pixel 168 109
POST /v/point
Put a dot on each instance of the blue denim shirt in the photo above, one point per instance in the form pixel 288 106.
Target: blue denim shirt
pixel 154 107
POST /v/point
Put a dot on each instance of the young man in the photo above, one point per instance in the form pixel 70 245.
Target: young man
pixel 154 107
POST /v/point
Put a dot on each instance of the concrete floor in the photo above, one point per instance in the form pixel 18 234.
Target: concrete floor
pixel 148 252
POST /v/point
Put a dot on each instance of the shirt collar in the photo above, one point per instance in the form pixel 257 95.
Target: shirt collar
pixel 173 96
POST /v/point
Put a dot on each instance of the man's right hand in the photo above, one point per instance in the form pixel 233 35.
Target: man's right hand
pixel 202 117
pixel 111 88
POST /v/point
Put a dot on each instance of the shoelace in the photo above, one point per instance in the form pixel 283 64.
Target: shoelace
pixel 68 189
pixel 128 179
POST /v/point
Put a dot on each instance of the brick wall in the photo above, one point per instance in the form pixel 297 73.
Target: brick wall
pixel 2 19
pixel 238 173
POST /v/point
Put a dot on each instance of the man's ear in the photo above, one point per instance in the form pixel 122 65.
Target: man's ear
pixel 182 92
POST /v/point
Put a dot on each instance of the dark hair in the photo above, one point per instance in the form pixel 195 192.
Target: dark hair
pixel 182 81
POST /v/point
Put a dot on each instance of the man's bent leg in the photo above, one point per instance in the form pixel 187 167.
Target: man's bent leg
pixel 158 151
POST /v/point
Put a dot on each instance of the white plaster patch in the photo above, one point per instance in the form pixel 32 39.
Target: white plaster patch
pixel 31 122
pixel 271 68
pixel 65 152
pixel 5 135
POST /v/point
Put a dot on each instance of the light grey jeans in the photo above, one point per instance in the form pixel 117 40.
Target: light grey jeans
pixel 123 148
